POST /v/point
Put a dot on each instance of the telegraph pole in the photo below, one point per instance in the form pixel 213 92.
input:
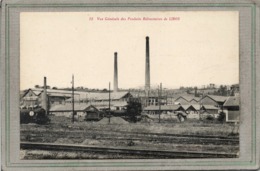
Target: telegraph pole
pixel 109 104
pixel 45 98
pixel 72 98
pixel 160 93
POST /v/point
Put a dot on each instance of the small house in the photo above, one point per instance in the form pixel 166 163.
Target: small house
pixel 164 109
pixel 66 110
pixel 231 107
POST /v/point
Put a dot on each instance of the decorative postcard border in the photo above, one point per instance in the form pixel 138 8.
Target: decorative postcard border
pixel 252 162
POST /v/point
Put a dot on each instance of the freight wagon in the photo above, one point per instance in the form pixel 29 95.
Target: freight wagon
pixel 34 115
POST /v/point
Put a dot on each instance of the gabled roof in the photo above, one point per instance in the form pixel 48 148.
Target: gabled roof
pixel 78 95
pixel 232 101
pixel 106 103
pixel 188 98
pixel 68 107
pixel 185 107
pixel 37 92
pixel 182 97
pixel 212 107
pixel 164 107
pixel 59 93
pixel 196 106
pixel 190 108
pixel 30 90
pixel 101 96
pixel 196 99
pixel 220 99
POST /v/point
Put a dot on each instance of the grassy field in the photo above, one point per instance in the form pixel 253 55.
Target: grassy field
pixel 194 127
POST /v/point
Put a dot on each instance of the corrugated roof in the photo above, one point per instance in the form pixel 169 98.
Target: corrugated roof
pixel 210 107
pixel 163 107
pixel 106 103
pixel 68 107
pixel 78 95
pixel 31 98
pixel 60 93
pixel 232 101
pixel 101 96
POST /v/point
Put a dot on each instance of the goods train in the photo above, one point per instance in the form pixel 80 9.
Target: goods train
pixel 34 115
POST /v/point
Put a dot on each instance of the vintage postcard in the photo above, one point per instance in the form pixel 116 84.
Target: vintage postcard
pixel 137 86
pixel 174 90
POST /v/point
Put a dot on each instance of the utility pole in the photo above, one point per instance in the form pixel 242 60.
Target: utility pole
pixel 72 98
pixel 109 104
pixel 200 110
pixel 160 92
pixel 45 97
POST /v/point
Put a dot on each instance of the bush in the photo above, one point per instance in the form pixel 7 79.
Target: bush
pixel 222 117
pixel 210 118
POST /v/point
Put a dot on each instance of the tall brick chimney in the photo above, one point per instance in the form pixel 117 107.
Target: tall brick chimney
pixel 115 73
pixel 147 65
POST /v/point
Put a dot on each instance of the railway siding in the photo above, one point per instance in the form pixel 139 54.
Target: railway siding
pixel 125 151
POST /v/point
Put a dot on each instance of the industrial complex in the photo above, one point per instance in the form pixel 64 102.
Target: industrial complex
pixel 154 102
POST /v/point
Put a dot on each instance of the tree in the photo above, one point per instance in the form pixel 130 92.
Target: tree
pixel 104 90
pixel 222 117
pixel 223 90
pixel 181 88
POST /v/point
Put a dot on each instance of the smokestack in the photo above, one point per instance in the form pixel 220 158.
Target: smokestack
pixel 44 98
pixel 147 65
pixel 115 73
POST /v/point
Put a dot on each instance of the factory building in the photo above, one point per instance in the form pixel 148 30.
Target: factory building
pixel 66 110
pixel 213 100
pixel 118 100
pixel 34 97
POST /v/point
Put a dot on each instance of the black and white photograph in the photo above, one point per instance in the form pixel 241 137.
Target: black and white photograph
pixel 129 85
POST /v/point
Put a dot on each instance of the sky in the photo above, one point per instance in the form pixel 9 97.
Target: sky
pixel 197 48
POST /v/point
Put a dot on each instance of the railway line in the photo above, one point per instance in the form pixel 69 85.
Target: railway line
pixel 150 137
pixel 140 153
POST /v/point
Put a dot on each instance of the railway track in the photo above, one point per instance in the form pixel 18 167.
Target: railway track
pixel 148 134
pixel 150 137
pixel 139 153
